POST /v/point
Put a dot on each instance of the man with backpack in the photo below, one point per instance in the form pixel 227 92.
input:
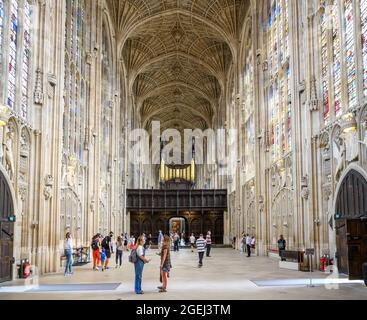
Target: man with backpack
pixel 107 245
pixel 96 245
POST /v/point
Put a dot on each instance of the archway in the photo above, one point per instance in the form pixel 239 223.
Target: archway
pixel 178 224
pixel 351 224
pixel 6 229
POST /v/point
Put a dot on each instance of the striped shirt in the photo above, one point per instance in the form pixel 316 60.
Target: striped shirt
pixel 208 239
pixel 200 245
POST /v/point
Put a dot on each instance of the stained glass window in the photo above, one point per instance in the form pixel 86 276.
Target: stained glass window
pixel 74 112
pixel 363 7
pixel 26 59
pixel 336 59
pixel 350 52
pixel 249 130
pixel 12 60
pixel 1 23
pixel 325 63
pixel 280 111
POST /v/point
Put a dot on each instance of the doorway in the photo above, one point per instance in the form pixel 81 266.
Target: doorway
pixel 178 225
pixel 351 225
pixel 6 231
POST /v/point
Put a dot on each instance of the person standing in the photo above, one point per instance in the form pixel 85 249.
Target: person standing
pixel 139 264
pixel 107 245
pixel 96 245
pixel 119 251
pixel 208 243
pixel 132 242
pixel 253 243
pixel 165 265
pixel 150 242
pixel 248 245
pixel 126 241
pixel 160 240
pixel 243 243
pixel 192 242
pixel 200 245
pixel 176 239
pixel 281 246
pixel 68 251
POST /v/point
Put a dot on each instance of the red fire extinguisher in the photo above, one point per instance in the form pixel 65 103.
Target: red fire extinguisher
pixel 26 269
pixel 322 264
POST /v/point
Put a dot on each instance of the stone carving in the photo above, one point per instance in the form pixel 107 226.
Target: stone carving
pixel 49 180
pixel 9 156
pixel 339 153
pixel 38 92
pixel 305 192
pixel 314 103
pixel 47 192
pixel 364 141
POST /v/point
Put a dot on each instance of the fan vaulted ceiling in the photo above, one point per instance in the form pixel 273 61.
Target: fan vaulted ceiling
pixel 176 54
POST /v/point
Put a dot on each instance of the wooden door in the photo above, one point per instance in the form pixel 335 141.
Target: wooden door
pixel 6 230
pixel 6 251
pixel 342 248
pixel 357 247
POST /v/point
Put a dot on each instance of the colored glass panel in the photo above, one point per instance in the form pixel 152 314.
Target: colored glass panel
pixel 363 8
pixel 12 58
pixel 26 59
pixel 1 23
pixel 280 113
pixel 350 52
pixel 336 59
pixel 325 65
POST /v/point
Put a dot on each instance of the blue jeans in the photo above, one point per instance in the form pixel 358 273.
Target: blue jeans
pixel 69 261
pixel 139 266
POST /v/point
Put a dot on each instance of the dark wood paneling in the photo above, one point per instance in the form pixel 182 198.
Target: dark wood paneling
pixel 213 221
pixel 162 200
pixel 6 230
pixel 351 229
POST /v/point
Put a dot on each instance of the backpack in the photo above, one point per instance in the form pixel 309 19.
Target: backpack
pixel 94 245
pixel 105 244
pixel 133 257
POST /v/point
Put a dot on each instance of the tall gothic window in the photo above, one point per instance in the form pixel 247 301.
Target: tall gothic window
pixel 343 61
pixel 1 24
pixel 336 59
pixel 363 8
pixel 75 48
pixel 16 43
pixel 249 130
pixel 349 32
pixel 280 112
pixel 325 63
pixel 12 58
pixel 26 60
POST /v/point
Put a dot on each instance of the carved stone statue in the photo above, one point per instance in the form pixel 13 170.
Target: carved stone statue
pixel 339 153
pixel 364 141
pixel 9 157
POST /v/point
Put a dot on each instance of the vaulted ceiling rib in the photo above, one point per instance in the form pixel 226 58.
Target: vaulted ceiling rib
pixel 176 54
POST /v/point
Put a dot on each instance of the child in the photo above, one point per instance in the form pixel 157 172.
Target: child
pixel 103 258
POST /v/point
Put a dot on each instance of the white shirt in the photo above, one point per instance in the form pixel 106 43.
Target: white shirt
pixel 68 244
pixel 253 242
pixel 140 250
pixel 248 241
pixel 192 239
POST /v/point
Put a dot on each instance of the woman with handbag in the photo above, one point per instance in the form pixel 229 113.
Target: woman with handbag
pixel 165 264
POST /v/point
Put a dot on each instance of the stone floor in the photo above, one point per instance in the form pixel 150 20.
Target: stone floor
pixel 227 275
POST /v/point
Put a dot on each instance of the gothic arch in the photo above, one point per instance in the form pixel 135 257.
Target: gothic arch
pixel 350 169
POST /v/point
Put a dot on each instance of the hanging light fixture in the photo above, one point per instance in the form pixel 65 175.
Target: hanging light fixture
pixel 4 115
pixel 349 124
